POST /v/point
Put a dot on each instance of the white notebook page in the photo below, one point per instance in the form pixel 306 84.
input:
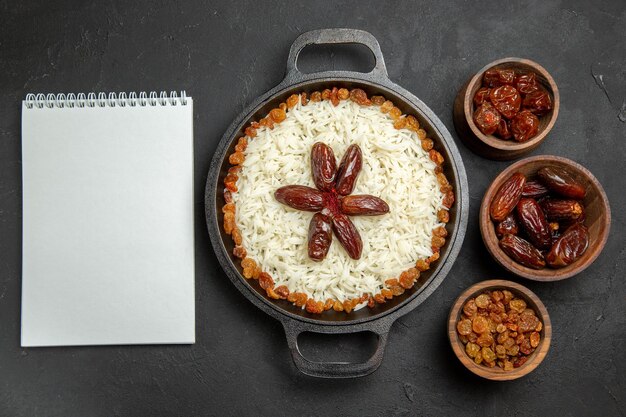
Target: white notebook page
pixel 108 249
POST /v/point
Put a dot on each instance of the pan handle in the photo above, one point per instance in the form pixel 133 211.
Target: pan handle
pixel 335 36
pixel 335 369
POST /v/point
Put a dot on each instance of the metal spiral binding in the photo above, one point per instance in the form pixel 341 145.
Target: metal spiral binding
pixel 122 99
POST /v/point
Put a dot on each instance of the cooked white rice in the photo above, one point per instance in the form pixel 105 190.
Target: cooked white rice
pixel 395 168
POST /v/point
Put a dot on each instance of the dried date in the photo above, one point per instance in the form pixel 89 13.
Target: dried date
pixel 506 100
pixel 323 166
pixel 526 82
pixel 507 197
pixel 481 96
pixel 348 235
pixel 538 102
pixel 487 118
pixel 524 126
pixel 562 182
pixel 534 223
pixel 320 236
pixel 495 77
pixel 569 247
pixel 363 205
pixel 349 170
pixel 558 210
pixel 534 189
pixel 522 252
pixel 300 197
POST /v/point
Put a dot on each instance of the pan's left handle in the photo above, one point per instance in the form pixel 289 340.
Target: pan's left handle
pixel 336 369
pixel 335 36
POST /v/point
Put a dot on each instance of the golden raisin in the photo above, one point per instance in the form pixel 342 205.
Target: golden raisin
pixel 265 280
pixel 406 281
pixel 236 158
pixel 343 94
pixel 448 199
pixel 421 133
pixel 304 99
pixel 271 293
pixel 438 242
pixel 500 351
pixel 329 304
pixel 464 327
pixel 400 123
pixel 435 156
pixel 517 304
pixel 371 302
pixel 478 359
pixel 427 144
pixel 396 290
pixel 338 306
pixel 360 97
pixel 240 252
pixel 485 339
pixel 472 349
pixel 412 123
pixel 228 196
pixel 326 94
pixel 391 282
pixel 443 216
pixel 250 132
pixel 229 222
pixel 347 306
pixel 300 298
pixel 488 354
pixel 282 291
pixel 440 231
pixel 229 207
pixel 379 298
pixel 422 265
pixel 292 297
pixel 293 100
pixel 500 328
pixel 507 296
pixel 378 100
pixel 236 235
pixel 470 308
pixel 313 306
pixel 386 106
pixel 395 113
pixel 480 324
pixel 433 257
pixel 387 293
pixel 278 115
pixel 534 339
pixel 241 145
pixel 333 96
pixel 539 327
pixel 482 301
pixel 316 96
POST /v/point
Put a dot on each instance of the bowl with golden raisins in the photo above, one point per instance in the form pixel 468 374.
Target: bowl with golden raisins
pixel 507 108
pixel 545 218
pixel 499 330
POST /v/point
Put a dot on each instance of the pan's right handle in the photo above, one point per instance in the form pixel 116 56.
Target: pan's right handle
pixel 335 369
pixel 335 36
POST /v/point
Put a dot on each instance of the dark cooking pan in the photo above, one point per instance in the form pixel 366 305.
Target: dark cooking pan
pixel 380 318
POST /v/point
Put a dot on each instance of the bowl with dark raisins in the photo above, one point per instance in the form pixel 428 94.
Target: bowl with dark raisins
pixel 499 330
pixel 545 218
pixel 507 108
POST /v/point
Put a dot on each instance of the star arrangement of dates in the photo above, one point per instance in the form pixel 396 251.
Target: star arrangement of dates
pixel 332 202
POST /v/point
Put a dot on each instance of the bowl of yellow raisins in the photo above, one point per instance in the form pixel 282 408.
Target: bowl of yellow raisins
pixel 499 330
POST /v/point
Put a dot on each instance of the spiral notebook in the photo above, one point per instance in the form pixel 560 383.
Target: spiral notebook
pixel 108 250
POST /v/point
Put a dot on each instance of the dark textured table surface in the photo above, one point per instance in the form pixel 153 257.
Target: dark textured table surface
pixel 227 53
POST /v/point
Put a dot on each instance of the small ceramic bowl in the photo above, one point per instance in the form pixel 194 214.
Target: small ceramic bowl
pixel 491 146
pixel 532 301
pixel 597 218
